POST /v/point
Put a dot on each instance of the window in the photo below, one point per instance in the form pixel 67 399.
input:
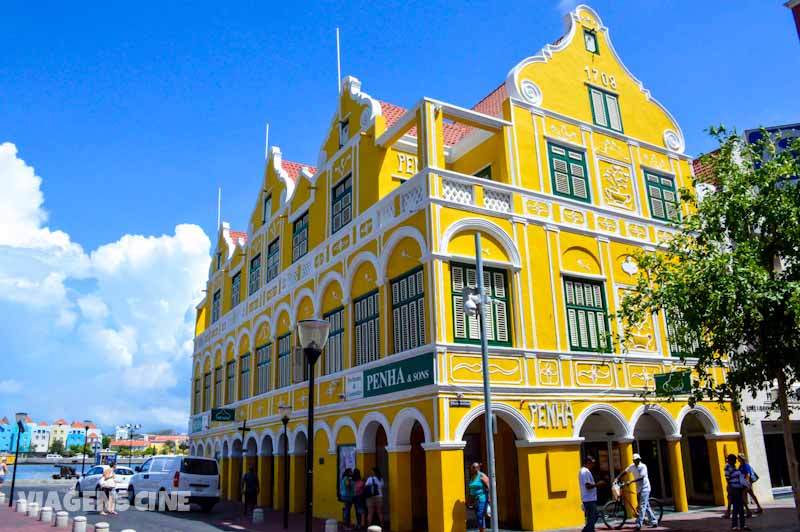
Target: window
pixel 586 315
pixel 254 281
pixel 334 350
pixel 605 109
pixel 236 289
pixel 197 394
pixel 408 310
pixel 568 171
pixel 218 387
pixel 485 173
pixel 207 391
pixel 231 376
pixel 219 261
pixel 467 328
pixel 266 212
pixel 344 131
pixel 273 260
pixel 244 371
pixel 215 302
pixel 300 237
pixel 284 360
pixel 664 202
pixel 590 40
pixel 262 368
pixel 367 328
pixel 682 341
pixel 342 203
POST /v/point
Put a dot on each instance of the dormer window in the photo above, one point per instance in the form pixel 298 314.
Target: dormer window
pixel 590 39
pixel 344 131
pixel 219 261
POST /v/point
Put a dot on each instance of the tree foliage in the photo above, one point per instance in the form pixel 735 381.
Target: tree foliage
pixel 57 447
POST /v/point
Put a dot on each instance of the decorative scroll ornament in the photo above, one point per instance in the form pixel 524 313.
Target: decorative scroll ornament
pixel 531 92
pixel 673 141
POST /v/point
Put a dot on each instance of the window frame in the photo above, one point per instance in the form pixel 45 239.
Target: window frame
pixel 230 382
pixel 300 237
pixel 672 189
pixel 593 33
pixel 287 357
pixel 245 386
pixel 413 305
pixel 216 305
pixel 605 96
pixel 344 131
pixel 586 308
pixel 273 259
pixel 485 172
pixel 505 300
pixel 371 319
pixel 261 364
pixel 334 335
pixel 568 160
pixel 346 184
pixel 206 390
pixel 254 277
pixel 266 214
pixel 236 289
pixel 218 390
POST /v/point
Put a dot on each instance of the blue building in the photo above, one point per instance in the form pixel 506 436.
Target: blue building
pixel 5 435
pixel 75 436
pixel 8 436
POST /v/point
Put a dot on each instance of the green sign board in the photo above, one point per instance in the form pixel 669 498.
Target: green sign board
pixel 674 383
pixel 223 414
pixel 402 375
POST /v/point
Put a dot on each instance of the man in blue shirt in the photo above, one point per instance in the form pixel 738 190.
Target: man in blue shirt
pixel 736 485
pixel 750 477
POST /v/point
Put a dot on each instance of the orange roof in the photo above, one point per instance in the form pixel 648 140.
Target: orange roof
pixel 236 235
pixel 44 424
pixel 29 420
pixel 163 439
pixel 59 422
pixel 293 169
pixel 76 425
pixel 4 421
pixel 127 443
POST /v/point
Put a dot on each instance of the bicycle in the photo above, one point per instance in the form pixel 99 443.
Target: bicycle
pixel 614 512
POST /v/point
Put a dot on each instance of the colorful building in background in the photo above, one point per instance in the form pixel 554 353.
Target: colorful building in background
pixel 76 435
pixel 565 169
pixel 58 432
pixel 24 438
pixel 5 435
pixel 40 438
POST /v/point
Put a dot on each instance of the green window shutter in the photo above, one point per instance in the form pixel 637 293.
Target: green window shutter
pixel 263 368
pixel 367 328
pixel 408 325
pixel 605 109
pixel 254 281
pixel 570 177
pixel 300 237
pixel 273 259
pixel 284 360
pixel 218 391
pixel 236 289
pixel 466 329
pixel 342 203
pixel 662 197
pixel 587 319
pixel 215 306
pixel 334 349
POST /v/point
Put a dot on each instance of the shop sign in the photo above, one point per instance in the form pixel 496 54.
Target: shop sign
pixel 199 423
pixel 460 403
pixel 223 414
pixel 673 383
pixel 552 415
pixel 355 386
pixel 402 375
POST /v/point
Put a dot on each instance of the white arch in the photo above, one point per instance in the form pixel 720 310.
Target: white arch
pixel 323 426
pixel 365 437
pixel 246 446
pixel 340 423
pixel 198 369
pixel 484 226
pixel 326 280
pixel 263 451
pixel 284 306
pixel 361 258
pixel 404 422
pixel 244 332
pixel 602 408
pixel 660 414
pixel 236 440
pixel 703 414
pixel 394 239
pixel 193 450
pixel 208 444
pixel 226 449
pixel 262 319
pixel 522 428
pixel 230 341
pixel 206 356
pixel 298 430
pixel 303 293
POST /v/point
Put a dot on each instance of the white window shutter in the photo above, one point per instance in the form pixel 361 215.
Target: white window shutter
pixel 472 278
pixel 458 278
pixel 459 317
pixel 573 328
pixel 582 330
pixel 500 285
pixel 421 322
pixel 599 109
pixel 502 321
pixel 397 327
pixel 614 120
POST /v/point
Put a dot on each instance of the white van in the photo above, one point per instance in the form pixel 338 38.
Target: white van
pixel 161 476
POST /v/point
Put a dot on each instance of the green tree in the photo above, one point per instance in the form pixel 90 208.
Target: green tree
pixel 75 449
pixel 169 447
pixel 57 447
pixel 183 447
pixel 729 281
pixel 106 442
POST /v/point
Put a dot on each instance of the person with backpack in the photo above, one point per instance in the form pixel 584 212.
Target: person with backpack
pixel 359 501
pixel 374 494
pixel 347 494
pixel 736 484
pixel 750 476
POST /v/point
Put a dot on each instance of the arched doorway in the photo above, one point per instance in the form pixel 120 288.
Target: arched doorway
pixel 251 456
pixel 298 473
pixel 696 460
pixel 602 430
pixel 372 453
pixel 419 491
pixel 225 464
pixel 506 467
pixel 198 451
pixel 267 472
pixel 235 474
pixel 650 441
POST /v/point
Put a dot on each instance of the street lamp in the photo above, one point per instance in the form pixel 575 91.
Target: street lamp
pixel 474 301
pixel 86 424
pixel 285 420
pixel 131 431
pixel 20 418
pixel 313 335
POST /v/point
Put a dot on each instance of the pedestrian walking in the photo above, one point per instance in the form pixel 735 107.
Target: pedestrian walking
pixel 3 470
pixel 108 486
pixel 479 494
pixel 642 480
pixel 589 493
pixel 250 489
pixel 750 478
pixel 736 485
pixel 359 498
pixel 347 493
pixel 373 489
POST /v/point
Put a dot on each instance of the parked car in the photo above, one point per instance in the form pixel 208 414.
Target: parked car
pixel 161 476
pixel 54 456
pixel 90 481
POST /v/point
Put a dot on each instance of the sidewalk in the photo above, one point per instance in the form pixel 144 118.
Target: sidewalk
pixel 10 520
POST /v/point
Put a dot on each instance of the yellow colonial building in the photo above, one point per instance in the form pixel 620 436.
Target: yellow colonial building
pixel 564 169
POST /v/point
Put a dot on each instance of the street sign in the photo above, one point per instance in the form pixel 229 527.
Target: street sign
pixel 673 383
pixel 223 414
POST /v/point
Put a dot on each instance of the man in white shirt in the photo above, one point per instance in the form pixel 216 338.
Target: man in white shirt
pixel 588 493
pixel 642 481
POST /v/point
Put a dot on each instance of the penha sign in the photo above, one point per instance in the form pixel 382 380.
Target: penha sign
pixel 402 375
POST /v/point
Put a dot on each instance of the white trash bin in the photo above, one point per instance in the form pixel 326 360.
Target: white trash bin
pixel 258 515
pixel 33 509
pixel 79 524
pixel 331 525
pixel 102 526
pixel 46 514
pixel 22 506
pixel 62 519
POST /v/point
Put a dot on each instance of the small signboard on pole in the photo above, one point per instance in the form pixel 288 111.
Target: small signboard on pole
pixel 673 383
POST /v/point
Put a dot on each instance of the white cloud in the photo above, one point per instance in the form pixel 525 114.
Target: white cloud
pixel 10 386
pixel 132 331
pixel 566 6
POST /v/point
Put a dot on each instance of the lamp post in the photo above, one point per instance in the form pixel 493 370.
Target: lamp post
pixel 20 418
pixel 285 421
pixel 131 431
pixel 86 423
pixel 313 335
pixel 474 301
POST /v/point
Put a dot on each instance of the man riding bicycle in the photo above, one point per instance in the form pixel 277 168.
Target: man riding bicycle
pixel 640 477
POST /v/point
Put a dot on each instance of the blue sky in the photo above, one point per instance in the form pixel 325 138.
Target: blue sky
pixel 132 117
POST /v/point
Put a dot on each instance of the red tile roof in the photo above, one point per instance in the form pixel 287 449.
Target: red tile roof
pixel 29 420
pixel 391 113
pixel 59 422
pixel 164 439
pixel 293 169
pixel 4 421
pixel 127 443
pixel 236 235
pixel 44 424
pixel 76 425
pixel 492 103
pixel 704 167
